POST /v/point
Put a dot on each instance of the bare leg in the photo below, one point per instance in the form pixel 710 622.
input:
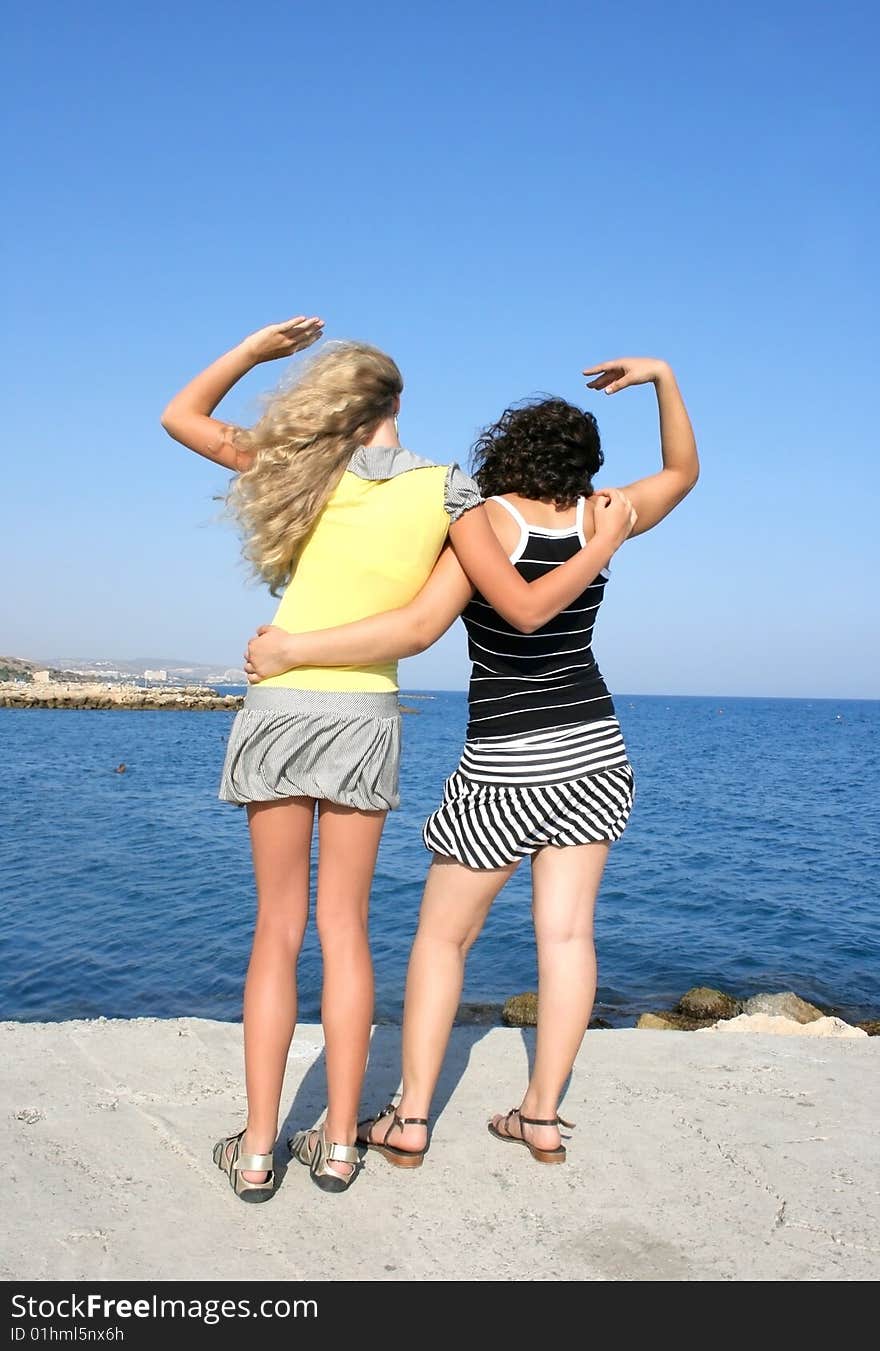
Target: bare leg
pixel 454 908
pixel 281 834
pixel 349 841
pixel 565 884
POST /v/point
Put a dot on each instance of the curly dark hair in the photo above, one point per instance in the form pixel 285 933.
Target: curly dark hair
pixel 545 449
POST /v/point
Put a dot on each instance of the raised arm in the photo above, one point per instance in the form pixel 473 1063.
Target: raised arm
pixel 530 605
pixel 655 496
pixel 188 416
pixel 384 637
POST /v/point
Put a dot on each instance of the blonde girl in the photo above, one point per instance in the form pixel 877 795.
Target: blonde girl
pixel 344 523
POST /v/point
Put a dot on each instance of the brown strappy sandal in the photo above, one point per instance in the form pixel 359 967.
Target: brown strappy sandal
pixel 556 1155
pixel 401 1158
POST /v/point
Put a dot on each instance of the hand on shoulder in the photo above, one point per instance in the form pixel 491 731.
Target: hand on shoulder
pixel 614 515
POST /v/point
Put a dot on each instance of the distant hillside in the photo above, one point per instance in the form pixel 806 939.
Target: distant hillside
pixel 120 665
pixel 115 669
pixel 16 668
pixel 124 665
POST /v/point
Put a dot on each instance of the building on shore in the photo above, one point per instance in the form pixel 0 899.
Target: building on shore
pixel 42 677
pixel 156 675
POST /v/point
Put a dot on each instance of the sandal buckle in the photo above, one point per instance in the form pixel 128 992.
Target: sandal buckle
pixel 341 1153
pixel 254 1163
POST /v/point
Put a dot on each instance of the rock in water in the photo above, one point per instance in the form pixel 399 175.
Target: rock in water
pixel 482 1015
pixel 871 1026
pixel 785 1005
pixel 673 1022
pixel 779 1026
pixel 521 1010
pixel 704 1002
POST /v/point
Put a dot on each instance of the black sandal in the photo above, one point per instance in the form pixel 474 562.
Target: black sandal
pixel 556 1155
pixel 401 1158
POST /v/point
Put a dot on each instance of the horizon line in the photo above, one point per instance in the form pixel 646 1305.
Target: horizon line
pixel 803 698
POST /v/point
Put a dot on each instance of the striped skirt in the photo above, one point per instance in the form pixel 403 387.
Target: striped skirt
pixel 511 796
pixel 340 747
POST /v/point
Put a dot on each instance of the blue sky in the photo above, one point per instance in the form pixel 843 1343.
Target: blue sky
pixel 498 195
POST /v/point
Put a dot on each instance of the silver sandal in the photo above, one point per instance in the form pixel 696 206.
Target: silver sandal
pixel 318 1152
pixel 234 1163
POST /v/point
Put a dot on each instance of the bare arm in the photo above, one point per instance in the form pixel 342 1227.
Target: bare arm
pixel 384 637
pixel 655 496
pixel 411 628
pixel 188 416
pixel 530 605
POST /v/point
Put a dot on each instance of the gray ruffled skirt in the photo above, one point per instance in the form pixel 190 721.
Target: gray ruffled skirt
pixel 343 747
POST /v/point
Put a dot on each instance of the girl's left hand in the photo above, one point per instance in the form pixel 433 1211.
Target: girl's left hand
pixel 269 653
pixel 625 371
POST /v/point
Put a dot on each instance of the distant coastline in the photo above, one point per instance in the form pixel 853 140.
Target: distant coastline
pixel 173 674
pixel 138 671
pixel 147 683
pixel 97 695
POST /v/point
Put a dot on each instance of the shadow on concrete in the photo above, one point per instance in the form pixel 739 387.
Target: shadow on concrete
pixel 381 1082
pixel 307 1107
pixel 529 1035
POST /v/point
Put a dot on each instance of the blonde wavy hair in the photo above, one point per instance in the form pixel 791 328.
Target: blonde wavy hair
pixel 308 432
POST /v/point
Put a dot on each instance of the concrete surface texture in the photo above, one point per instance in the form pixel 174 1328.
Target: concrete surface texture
pixel 698 1158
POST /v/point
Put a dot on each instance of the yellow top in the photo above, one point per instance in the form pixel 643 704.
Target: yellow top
pixel 373 548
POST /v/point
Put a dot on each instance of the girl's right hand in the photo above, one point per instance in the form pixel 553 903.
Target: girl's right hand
pixel 614 515
pixel 282 340
pixel 270 652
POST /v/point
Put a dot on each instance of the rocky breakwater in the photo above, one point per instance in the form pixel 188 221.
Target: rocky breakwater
pixel 91 695
pixel 521 1010
pixel 704 1008
pixel 782 1014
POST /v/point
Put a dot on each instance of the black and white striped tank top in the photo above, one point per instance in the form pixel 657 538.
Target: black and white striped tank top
pixel 529 682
